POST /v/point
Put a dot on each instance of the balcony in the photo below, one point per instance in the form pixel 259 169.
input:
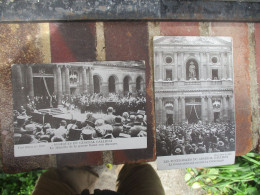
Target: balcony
pixel 169 85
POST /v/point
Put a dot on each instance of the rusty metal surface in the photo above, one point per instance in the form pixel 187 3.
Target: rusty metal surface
pixel 207 10
pixel 20 45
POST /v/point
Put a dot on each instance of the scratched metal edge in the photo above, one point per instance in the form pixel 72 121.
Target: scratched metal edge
pixel 25 11
pixel 25 47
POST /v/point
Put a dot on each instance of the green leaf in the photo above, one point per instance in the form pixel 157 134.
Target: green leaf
pixel 196 185
pixel 187 177
pixel 251 190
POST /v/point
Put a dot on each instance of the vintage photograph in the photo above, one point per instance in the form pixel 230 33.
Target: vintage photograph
pixel 79 102
pixel 194 95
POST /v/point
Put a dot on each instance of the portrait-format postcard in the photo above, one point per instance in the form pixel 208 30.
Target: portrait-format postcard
pixel 79 107
pixel 194 101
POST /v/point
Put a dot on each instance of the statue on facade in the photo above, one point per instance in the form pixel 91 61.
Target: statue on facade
pixel 192 71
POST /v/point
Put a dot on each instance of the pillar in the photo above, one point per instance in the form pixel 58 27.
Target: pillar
pixel 225 108
pixel 176 109
pixel 91 87
pixel 232 110
pixel 160 66
pixel 230 67
pixel 201 67
pixel 67 80
pixel 63 80
pixel 208 76
pixel 55 81
pixel 183 68
pixel 203 109
pixel 160 111
pixel 210 110
pixel 59 85
pixel 18 87
pixel 29 75
pixel 84 80
pixel 183 118
pixel 175 67
pixel 223 67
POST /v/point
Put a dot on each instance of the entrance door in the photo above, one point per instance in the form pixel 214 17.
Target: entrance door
pixel 169 119
pixel 193 109
pixel 216 116
pixel 96 84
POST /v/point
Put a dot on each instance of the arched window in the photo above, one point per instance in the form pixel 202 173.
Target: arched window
pixel 139 83
pixel 126 85
pixel 111 84
pixel 192 70
pixel 96 84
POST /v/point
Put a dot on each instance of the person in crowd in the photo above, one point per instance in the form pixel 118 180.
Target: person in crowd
pixel 137 127
pixel 90 120
pixel 110 118
pixel 117 126
pixel 195 138
pixel 61 132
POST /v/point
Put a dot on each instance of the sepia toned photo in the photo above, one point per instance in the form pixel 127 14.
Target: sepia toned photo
pixel 79 107
pixel 194 101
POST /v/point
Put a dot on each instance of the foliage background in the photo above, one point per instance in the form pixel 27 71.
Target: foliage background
pixel 19 183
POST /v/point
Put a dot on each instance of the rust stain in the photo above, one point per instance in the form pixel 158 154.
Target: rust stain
pixel 239 33
pixel 18 46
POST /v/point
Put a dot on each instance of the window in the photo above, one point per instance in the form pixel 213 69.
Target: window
pixel 168 74
pixel 215 74
pixel 214 60
pixel 168 60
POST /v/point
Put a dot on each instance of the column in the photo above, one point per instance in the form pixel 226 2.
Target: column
pixel 29 75
pixel 225 108
pixel 63 80
pixel 55 81
pixel 18 87
pixel 208 76
pixel 210 110
pixel 84 80
pixel 201 67
pixel 91 87
pixel 67 80
pixel 203 109
pixel 183 68
pixel 160 111
pixel 183 118
pixel 175 67
pixel 230 66
pixel 59 84
pixel 176 109
pixel 232 110
pixel 160 66
pixel 223 67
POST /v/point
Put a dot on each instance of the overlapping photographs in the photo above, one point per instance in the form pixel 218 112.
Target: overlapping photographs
pixel 194 101
pixel 79 107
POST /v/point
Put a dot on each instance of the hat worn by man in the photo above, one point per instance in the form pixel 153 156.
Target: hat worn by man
pixel 110 109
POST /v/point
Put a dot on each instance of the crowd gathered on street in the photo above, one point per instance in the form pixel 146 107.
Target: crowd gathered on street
pixel 195 138
pixel 126 119
pixel 90 103
pixel 111 126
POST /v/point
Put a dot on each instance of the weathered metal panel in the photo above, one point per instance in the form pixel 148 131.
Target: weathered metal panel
pixel 217 10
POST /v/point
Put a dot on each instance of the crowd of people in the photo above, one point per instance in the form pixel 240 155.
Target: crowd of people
pixel 127 125
pixel 90 103
pixel 178 139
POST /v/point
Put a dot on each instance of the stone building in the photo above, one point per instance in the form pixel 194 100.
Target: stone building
pixel 75 78
pixel 193 79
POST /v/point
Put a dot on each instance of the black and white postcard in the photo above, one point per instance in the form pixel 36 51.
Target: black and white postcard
pixel 79 107
pixel 194 101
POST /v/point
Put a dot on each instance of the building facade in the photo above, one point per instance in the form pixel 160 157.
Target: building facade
pixel 193 79
pixel 66 79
